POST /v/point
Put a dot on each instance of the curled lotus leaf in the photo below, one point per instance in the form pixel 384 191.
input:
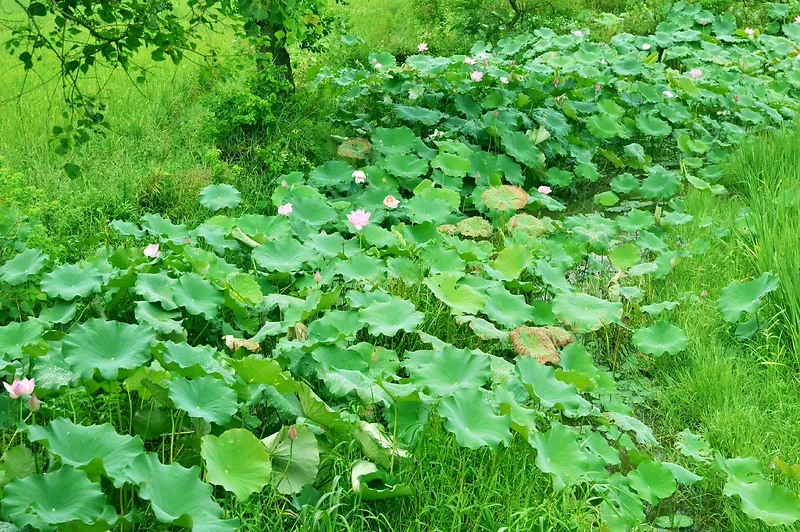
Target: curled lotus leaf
pixel 475 227
pixel 448 229
pixel 535 342
pixel 560 337
pixel 528 224
pixel 354 148
pixel 505 198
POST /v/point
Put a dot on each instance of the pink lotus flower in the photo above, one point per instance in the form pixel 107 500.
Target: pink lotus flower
pixel 749 31
pixel 359 219
pixel 504 80
pixel 704 293
pixel 378 66
pixel 18 388
pixel 285 209
pixel 695 73
pixel 360 177
pixel 736 98
pixel 152 251
pixel 34 404
pixel 668 94
pixel 292 433
pixel 597 87
pixel 704 22
pixel 797 19
pixel 555 80
pixel 476 75
pixel 422 47
pixel 544 189
pixel 577 33
pixel 646 46
pixel 187 241
pixel 391 202
pixel 469 61
pixel 317 277
pixel 284 184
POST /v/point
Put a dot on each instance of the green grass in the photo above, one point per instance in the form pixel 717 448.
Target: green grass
pixel 768 171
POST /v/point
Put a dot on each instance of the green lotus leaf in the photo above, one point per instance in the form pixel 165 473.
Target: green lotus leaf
pixel 558 453
pixel 69 281
pixel 162 321
pixel 295 461
pixel 604 126
pixel 505 198
pixel 18 269
pixel 106 347
pixel 510 262
pixel 333 174
pixel 475 227
pixel 505 308
pixel 192 361
pixel 649 124
pixel 461 300
pixel 156 288
pixel 629 65
pixel 745 297
pixel 395 140
pixel 237 461
pixel 390 317
pixel 643 433
pixel 585 313
pixel 52 373
pixel 177 495
pixel 46 502
pixel 473 420
pixel 361 267
pixel 660 183
pixel 95 449
pixel 406 165
pixel 661 338
pixel 354 148
pixel 674 521
pixel 198 296
pixel 658 308
pixel 606 199
pixel 216 197
pixel 244 289
pixel 624 256
pixel 60 312
pixel 534 342
pixel 681 474
pixel 204 397
pixel 15 336
pixel 575 358
pixel 414 114
pixel 451 164
pixel 530 225
pixel 522 148
pixel 624 183
pixel 344 383
pixel 127 228
pixel 449 371
pixel 541 382
pixel 157 225
pixel 284 254
pixel 635 220
pixel 652 481
pixel 774 505
pixel 372 484
pixel 693 446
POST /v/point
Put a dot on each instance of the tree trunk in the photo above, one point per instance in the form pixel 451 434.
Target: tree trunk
pixel 277 48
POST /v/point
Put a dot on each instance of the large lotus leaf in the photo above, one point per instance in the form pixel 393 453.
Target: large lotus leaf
pixel 505 198
pixel 661 338
pixel 461 300
pixel 177 495
pixel 534 342
pixel 541 382
pixel 18 269
pixel 197 295
pixel 775 505
pixel 237 461
pixel 693 446
pixel 216 197
pixel 473 420
pixel 604 126
pixel 244 289
pixel 156 288
pixel 653 481
pixel 106 347
pixel 395 140
pixel 372 484
pixel 511 262
pixel 635 220
pixel 46 501
pixel 157 225
pixel 96 449
pixel 361 267
pixel 559 454
pixel 191 361
pixel 475 227
pixel 505 308
pixel 333 174
pixel 162 321
pixel 745 297
pixel 585 313
pixel 15 336
pixel 69 281
pixel 522 148
pixel 295 460
pixel 649 124
pixel 390 317
pixel 343 382
pixel 660 183
pixel 451 164
pixel 450 370
pixel 284 254
pixel 406 165
pixel 643 433
pixel 428 117
pixel 60 312
pixel 575 358
pixel 204 397
pixel 335 325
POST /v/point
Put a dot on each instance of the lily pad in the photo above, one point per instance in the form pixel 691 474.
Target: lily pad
pixel 216 197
